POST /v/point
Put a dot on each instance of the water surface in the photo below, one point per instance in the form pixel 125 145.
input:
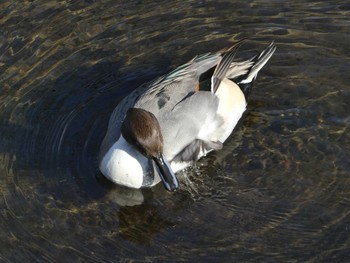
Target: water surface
pixel 277 192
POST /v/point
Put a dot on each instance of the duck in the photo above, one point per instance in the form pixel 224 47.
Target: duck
pixel 168 124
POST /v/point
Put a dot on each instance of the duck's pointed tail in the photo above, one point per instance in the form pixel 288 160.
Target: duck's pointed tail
pixel 243 73
pixel 249 69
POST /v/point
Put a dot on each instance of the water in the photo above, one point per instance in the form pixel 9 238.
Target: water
pixel 277 192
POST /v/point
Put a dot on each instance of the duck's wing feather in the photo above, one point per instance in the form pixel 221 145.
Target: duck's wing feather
pixel 188 127
pixel 192 152
pixel 221 70
pixel 166 92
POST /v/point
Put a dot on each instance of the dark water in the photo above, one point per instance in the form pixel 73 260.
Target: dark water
pixel 277 192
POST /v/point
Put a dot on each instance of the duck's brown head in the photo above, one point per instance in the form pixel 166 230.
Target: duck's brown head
pixel 141 129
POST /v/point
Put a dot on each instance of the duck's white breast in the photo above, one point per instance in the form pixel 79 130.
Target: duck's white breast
pixel 124 165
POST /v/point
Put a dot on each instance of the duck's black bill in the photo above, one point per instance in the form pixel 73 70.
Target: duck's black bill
pixel 167 175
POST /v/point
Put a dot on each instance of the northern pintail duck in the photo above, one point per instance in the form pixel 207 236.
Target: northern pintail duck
pixel 167 124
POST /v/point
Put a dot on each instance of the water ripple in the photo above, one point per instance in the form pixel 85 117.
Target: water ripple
pixel 277 192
